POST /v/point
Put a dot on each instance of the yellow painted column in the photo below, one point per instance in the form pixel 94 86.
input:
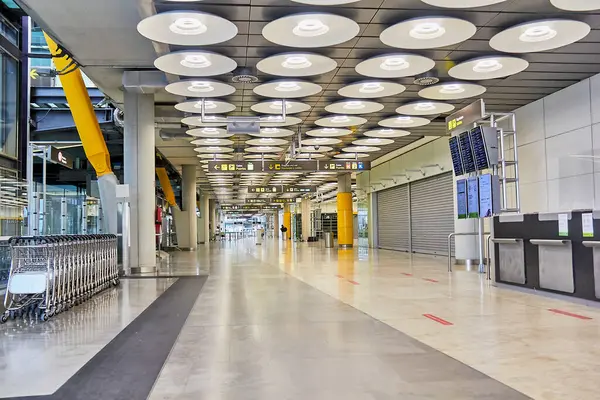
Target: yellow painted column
pixel 287 221
pixel 345 214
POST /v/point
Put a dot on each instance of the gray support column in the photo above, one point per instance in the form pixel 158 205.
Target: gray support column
pixel 306 219
pixel 276 225
pixel 189 206
pixel 139 155
pixel 212 209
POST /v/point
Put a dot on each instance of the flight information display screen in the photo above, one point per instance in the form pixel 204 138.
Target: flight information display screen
pixel 457 163
pixel 480 153
pixel 466 153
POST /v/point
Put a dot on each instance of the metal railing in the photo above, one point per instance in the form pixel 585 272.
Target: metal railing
pixel 452 235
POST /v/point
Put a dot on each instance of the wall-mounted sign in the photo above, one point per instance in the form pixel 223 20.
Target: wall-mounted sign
pixel 283 166
pixel 465 118
pixel 473 197
pixel 461 198
pixel 58 156
pixel 265 189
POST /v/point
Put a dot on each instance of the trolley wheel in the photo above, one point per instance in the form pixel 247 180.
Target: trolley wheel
pixel 3 318
pixel 44 316
pixel 116 282
pixel 51 311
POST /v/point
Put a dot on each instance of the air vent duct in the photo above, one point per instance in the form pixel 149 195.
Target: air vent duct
pixel 244 75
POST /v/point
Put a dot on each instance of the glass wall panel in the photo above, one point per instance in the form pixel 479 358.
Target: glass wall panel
pixel 8 105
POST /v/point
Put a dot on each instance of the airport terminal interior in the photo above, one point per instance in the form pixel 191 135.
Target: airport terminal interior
pixel 300 199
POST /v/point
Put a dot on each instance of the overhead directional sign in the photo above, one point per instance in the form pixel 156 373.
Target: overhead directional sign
pixel 256 201
pixel 250 207
pixel 265 189
pixel 299 189
pixel 283 166
pixel 465 118
pixel 283 201
pixel 58 156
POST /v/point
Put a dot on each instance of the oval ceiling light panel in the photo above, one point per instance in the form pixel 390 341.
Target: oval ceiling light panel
pixel 452 91
pixel 322 141
pixel 266 142
pixel 200 88
pixel 373 142
pixel 287 89
pixel 360 149
pixel 484 68
pixel 395 66
pixel 189 28
pixel 325 2
pixel 273 133
pixel 296 64
pixel 210 106
pixel 425 108
pixel 428 33
pixel 275 107
pixel 216 155
pixel 212 142
pixel 404 121
pixel 195 63
pixel 210 132
pixel 386 133
pixel 577 5
pixel 214 149
pixel 329 132
pixel 313 149
pixel 265 149
pixel 340 121
pixel 197 121
pixel 351 156
pixel 356 107
pixel 289 121
pixel 540 35
pixel 310 30
pixel 462 3
pixel 371 89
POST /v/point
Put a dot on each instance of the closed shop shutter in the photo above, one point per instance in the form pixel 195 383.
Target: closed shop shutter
pixel 393 222
pixel 432 214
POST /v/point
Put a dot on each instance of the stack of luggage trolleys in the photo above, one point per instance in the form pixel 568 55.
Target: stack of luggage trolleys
pixel 50 274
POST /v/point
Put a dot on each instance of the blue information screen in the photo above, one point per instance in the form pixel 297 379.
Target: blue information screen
pixel 479 149
pixel 457 163
pixel 466 153
pixel 473 197
pixel 461 198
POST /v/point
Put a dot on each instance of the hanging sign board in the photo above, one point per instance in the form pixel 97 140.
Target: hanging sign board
pixel 265 189
pixel 465 118
pixel 256 201
pixel 58 156
pixel 299 189
pixel 283 201
pixel 283 166
pixel 256 207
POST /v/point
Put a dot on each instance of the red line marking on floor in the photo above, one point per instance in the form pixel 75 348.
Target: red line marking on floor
pixel 438 319
pixel 404 273
pixel 339 276
pixel 568 314
pixel 430 280
pixel 353 282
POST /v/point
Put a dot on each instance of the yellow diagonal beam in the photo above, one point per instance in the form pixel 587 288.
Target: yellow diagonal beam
pixel 165 183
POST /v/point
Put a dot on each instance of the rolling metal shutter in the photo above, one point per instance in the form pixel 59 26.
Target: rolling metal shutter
pixel 393 219
pixel 432 214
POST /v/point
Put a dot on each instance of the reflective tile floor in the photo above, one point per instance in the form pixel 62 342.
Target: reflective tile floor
pixel 297 321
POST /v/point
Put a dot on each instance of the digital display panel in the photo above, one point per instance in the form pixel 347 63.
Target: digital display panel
pixel 461 198
pixel 466 153
pixel 480 153
pixel 473 197
pixel 456 158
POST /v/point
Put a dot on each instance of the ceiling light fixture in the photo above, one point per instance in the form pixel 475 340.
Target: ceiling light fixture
pixel 278 105
pixel 427 31
pixel 452 89
pixel 424 107
pixel 201 87
pixel 354 105
pixel 540 33
pixel 576 5
pixel 371 87
pixel 486 66
pixel 394 64
pixel 287 87
pixel 310 28
pixel 338 119
pixel 208 105
pixel 195 61
pixel 296 62
pixel 188 26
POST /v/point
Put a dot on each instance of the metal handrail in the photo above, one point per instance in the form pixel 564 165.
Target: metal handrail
pixel 454 234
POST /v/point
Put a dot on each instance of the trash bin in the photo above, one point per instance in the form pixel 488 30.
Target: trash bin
pixel 328 236
pixel 259 236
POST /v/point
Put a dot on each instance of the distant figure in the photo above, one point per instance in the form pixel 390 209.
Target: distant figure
pixel 283 230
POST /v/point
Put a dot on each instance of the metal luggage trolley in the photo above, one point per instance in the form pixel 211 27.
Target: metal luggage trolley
pixel 51 274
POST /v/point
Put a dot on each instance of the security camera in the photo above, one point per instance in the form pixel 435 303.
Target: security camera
pixel 317 147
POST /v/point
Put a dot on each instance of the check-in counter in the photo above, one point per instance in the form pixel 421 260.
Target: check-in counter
pixel 553 252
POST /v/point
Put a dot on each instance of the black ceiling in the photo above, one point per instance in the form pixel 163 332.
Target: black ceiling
pixel 548 71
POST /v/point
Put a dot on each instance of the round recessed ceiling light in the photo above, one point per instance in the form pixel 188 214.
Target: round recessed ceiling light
pixel 275 107
pixel 189 28
pixel 209 132
pixel 540 35
pixel 360 149
pixel 354 107
pixel 395 66
pixel 195 63
pixel 315 149
pixel 404 121
pixel 386 133
pixel 259 156
pixel 577 5
pixel 340 121
pixel 265 149
pixel 289 121
pixel 488 68
pixel 328 132
pixel 371 89
pixel 212 142
pixel 210 106
pixel 296 64
pixel 452 91
pixel 273 133
pixel 197 121
pixel 351 156
pixel 287 89
pixel 310 155
pixel 325 2
pixel 428 33
pixel 425 108
pixel 214 149
pixel 321 141
pixel 462 3
pixel 200 88
pixel 310 30
pixel 266 142
pixel 373 142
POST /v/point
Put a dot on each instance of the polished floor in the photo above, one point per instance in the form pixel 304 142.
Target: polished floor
pixel 297 321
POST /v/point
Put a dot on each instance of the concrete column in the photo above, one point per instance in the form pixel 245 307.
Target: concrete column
pixel 306 219
pixel 213 217
pixel 345 213
pixel 205 211
pixel 276 225
pixel 189 207
pixel 139 155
